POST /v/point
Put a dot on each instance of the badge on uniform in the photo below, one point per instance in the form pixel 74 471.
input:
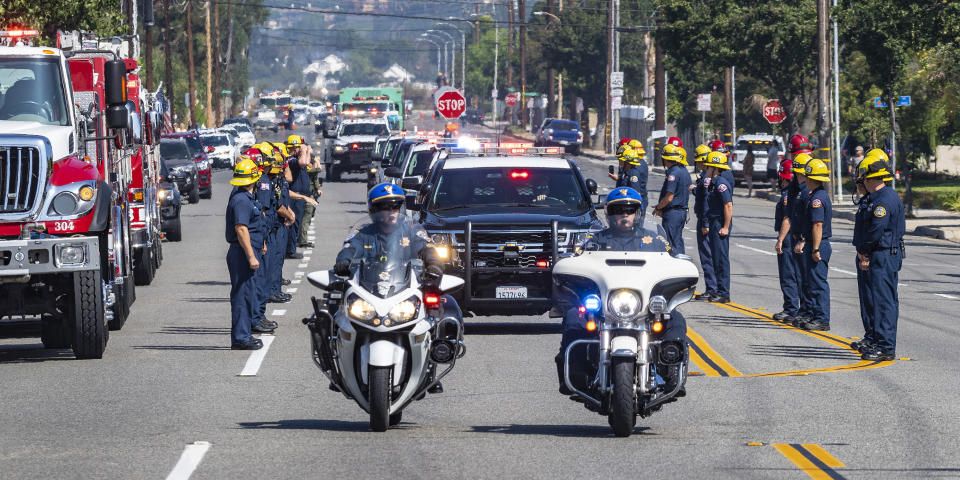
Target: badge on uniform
pixel 816 203
pixel 722 187
pixel 384 276
pixel 879 211
pixel 404 242
pixel 634 179
pixel 646 240
pixel 670 178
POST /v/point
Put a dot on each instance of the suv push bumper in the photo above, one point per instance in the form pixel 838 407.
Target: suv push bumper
pixel 21 259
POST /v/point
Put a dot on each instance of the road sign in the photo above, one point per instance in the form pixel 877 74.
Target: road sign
pixel 616 92
pixel 773 112
pixel 494 94
pixel 616 79
pixel 902 101
pixel 450 103
pixel 226 92
pixel 703 102
pixel 615 103
pixel 658 134
pixel 511 99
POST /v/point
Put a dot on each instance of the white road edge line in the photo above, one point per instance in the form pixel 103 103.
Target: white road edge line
pixel 278 313
pixel 256 357
pixel 295 282
pixel 944 295
pixel 189 460
pixel 302 265
pixel 291 290
pixel 765 252
pixel 848 272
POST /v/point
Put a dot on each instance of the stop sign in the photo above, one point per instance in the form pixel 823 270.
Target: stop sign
pixel 451 104
pixel 511 99
pixel 773 112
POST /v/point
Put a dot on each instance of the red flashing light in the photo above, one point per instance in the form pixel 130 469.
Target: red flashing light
pixel 552 150
pixel 518 151
pixel 542 263
pixel 19 33
pixel 355 146
pixel 431 299
pixel 519 174
pixel 516 145
pixel 582 309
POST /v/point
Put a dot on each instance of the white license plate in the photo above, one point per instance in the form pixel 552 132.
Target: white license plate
pixel 511 292
pixel 564 142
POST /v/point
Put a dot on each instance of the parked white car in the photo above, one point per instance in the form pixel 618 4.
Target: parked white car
pixel 225 150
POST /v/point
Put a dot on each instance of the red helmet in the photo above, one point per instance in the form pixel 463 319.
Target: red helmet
pixel 718 146
pixel 624 141
pixel 800 144
pixel 675 141
pixel 786 170
pixel 255 154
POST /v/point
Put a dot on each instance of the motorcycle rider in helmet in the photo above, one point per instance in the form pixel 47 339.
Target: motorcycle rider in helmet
pixel 388 229
pixel 625 234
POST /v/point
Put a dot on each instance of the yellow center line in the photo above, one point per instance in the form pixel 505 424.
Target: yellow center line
pixel 805 463
pixel 704 366
pixel 823 455
pixel 711 354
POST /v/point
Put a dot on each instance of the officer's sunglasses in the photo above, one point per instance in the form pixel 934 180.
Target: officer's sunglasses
pixel 387 206
pixel 621 210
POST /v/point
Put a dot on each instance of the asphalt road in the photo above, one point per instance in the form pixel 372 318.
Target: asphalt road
pixel 765 401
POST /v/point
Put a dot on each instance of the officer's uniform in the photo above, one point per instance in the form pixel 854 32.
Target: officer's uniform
pixel 719 194
pixel 796 208
pixel 861 224
pixel 818 209
pixel 677 182
pixel 301 185
pixel 883 242
pixel 243 209
pixel 308 209
pixel 281 190
pixel 703 241
pixel 635 177
pixel 786 261
pixel 269 202
pixel 728 175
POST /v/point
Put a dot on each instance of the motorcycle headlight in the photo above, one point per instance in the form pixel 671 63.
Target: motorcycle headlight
pixel 403 311
pixel 623 304
pixel 657 304
pixel 362 310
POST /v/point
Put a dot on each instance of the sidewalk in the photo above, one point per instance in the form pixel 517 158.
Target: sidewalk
pixel 941 224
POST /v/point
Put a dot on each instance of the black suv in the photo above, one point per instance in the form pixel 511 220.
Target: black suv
pixel 506 220
pixel 183 168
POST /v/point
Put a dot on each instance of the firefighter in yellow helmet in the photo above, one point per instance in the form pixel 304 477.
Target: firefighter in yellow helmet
pixel 633 173
pixel 673 204
pixel 700 210
pixel 245 234
pixel 297 153
pixel 719 221
pixel 794 222
pixel 815 245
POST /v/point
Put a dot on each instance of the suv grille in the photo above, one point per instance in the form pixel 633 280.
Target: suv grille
pixel 532 241
pixel 19 178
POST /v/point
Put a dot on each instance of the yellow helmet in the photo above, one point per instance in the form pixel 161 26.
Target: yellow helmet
pixel 632 156
pixel 879 153
pixel 265 147
pixel 674 153
pixel 815 169
pixel 800 162
pixel 623 152
pixel 294 141
pixel 246 172
pixel 635 144
pixel 702 151
pixel 873 167
pixel 717 159
pixel 622 148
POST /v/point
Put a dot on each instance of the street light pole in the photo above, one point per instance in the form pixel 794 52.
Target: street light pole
pixel 463 52
pixel 552 72
pixel 438 50
pixel 452 59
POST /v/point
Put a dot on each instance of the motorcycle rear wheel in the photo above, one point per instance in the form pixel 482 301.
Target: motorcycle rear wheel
pixel 380 386
pixel 623 402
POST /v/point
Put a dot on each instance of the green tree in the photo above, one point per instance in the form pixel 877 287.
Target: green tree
pixel 48 16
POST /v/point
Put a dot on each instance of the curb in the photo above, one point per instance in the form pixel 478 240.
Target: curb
pixel 950 234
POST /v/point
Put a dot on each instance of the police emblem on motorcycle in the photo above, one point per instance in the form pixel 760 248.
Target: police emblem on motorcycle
pixel 384 276
pixel 404 242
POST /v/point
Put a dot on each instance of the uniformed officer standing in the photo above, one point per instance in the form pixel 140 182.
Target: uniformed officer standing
pixel 700 209
pixel 719 223
pixel 674 195
pixel 313 173
pixel 861 222
pixel 719 146
pixel 244 233
pixel 786 261
pixel 281 190
pixel 635 173
pixel 276 215
pixel 298 153
pixel 797 214
pixel 816 245
pixel 881 256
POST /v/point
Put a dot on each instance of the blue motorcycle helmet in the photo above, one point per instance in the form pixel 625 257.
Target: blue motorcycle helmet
pixel 623 198
pixel 384 203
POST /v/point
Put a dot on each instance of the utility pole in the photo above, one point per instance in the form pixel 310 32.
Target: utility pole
pixel 510 40
pixel 476 24
pixel 209 114
pixel 148 41
pixel 823 86
pixel 607 134
pixel 660 86
pixel 551 72
pixel 229 55
pixel 192 109
pixel 733 108
pixel 217 66
pixel 727 105
pixel 167 61
pixel 836 111
pixel 522 13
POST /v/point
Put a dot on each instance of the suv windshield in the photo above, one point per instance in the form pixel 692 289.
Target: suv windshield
pixel 194 143
pixel 364 129
pixel 510 188
pixel 216 141
pixel 419 162
pixel 563 125
pixel 31 90
pixel 174 150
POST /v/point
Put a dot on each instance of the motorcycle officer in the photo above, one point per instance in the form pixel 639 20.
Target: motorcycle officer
pixel 390 227
pixel 625 234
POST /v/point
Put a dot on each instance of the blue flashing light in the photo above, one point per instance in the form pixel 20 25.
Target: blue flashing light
pixel 592 302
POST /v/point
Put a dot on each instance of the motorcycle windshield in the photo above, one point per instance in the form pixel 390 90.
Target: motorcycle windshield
pixel 385 269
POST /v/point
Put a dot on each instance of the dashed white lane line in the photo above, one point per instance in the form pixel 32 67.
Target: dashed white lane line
pixel 947 296
pixel 306 258
pixel 295 282
pixel 765 252
pixel 302 265
pixel 256 357
pixel 291 290
pixel 311 237
pixel 278 312
pixel 189 460
pixel 298 274
pixel 847 272
pixel 308 252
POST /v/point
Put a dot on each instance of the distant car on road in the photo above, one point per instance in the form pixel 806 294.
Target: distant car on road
pixel 761 144
pixel 558 132
pixel 267 120
pixel 473 116
pixel 183 169
pixel 170 203
pixel 225 150
pixel 199 152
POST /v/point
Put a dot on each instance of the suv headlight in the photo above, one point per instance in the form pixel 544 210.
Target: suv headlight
pixel 623 304
pixel 339 148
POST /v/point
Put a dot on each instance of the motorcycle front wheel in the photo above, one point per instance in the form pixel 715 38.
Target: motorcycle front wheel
pixel 380 386
pixel 623 402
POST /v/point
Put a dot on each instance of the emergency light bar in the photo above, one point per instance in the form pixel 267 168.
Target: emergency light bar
pixel 504 150
pixel 19 33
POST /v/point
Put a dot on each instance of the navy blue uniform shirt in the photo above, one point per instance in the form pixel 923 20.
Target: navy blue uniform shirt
pixel 301 179
pixel 243 209
pixel 728 174
pixel 635 177
pixel 819 209
pixel 268 200
pixel 639 240
pixel 718 195
pixel 700 195
pixel 796 209
pixel 368 243
pixel 677 182
pixel 781 211
pixel 862 220
pixel 887 223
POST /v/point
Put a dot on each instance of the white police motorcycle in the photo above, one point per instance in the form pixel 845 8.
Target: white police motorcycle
pixel 381 335
pixel 627 299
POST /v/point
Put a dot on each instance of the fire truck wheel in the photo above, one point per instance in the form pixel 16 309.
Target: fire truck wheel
pixel 172 231
pixel 194 194
pixel 126 293
pixel 90 330
pixel 143 267
pixel 158 254
pixel 55 332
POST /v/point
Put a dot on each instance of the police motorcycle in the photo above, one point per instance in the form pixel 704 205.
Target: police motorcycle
pixel 627 298
pixel 381 335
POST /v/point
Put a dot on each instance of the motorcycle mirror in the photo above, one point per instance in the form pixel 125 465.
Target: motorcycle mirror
pixel 449 283
pixel 319 279
pixel 591 186
pixel 599 204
